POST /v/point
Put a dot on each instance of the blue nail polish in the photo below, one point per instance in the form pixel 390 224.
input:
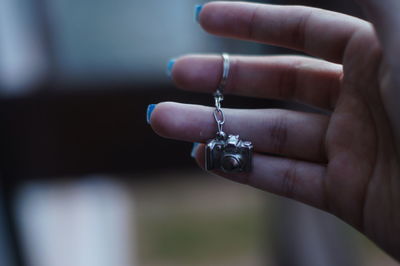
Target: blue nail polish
pixel 197 10
pixel 170 65
pixel 150 110
pixel 194 150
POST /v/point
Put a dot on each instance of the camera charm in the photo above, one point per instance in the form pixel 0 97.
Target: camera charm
pixel 227 152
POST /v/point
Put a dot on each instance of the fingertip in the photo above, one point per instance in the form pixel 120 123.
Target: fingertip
pixel 159 118
pixel 201 9
pixel 196 72
pixel 149 112
pixel 174 120
pixel 205 17
pixel 197 10
pixel 217 15
pixel 170 66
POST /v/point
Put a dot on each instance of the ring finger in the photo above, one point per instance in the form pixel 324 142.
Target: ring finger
pixel 288 133
pixel 308 80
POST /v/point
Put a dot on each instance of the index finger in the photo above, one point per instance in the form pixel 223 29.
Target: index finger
pixel 317 32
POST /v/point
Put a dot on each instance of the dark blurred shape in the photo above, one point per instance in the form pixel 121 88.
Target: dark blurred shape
pixel 72 134
pixel 7 255
pixel 342 6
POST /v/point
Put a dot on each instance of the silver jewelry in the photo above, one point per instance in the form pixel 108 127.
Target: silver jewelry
pixel 226 153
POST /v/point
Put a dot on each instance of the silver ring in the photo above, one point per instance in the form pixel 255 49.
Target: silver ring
pixel 225 73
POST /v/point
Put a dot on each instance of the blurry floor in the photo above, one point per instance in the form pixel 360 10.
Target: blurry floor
pixel 175 218
pixel 193 218
pixel 197 219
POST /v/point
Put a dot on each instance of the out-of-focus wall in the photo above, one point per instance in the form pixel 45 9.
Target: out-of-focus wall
pixel 23 60
pixel 99 42
pixel 85 223
pixel 127 40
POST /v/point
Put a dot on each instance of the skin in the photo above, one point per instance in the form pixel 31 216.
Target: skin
pixel 345 161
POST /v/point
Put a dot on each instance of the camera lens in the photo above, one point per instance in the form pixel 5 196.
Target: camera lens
pixel 231 163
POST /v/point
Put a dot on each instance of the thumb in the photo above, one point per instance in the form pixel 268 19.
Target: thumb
pixel 384 15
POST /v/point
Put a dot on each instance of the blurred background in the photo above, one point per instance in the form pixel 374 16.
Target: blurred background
pixel 84 180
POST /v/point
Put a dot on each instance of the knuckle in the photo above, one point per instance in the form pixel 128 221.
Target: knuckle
pixel 299 33
pixel 253 23
pixel 278 135
pixel 289 181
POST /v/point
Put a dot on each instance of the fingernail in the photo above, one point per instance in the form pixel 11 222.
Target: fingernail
pixel 194 150
pixel 150 110
pixel 197 10
pixel 170 65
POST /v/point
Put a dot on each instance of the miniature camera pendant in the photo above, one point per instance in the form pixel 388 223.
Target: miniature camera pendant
pixel 227 152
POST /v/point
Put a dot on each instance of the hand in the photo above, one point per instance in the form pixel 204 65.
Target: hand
pixel 345 162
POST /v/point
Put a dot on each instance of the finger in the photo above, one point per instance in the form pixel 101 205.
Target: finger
pixel 317 32
pixel 308 80
pixel 299 180
pixel 384 15
pixel 289 133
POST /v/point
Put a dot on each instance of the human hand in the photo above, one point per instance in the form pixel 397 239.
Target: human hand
pixel 345 162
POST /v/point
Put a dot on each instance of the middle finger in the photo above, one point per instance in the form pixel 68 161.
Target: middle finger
pixel 308 80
